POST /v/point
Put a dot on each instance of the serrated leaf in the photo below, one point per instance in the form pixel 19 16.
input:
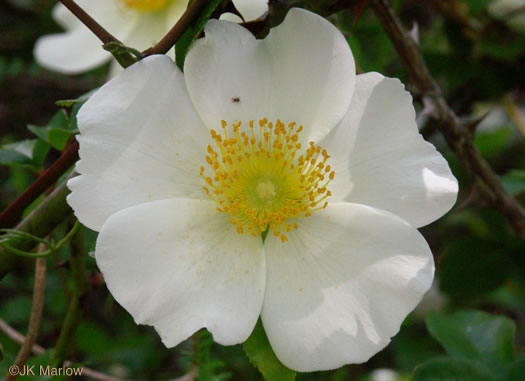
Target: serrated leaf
pixel 475 336
pixel 261 355
pixel 450 369
pixel 192 32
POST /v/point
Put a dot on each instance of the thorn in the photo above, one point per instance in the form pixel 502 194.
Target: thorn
pixel 414 32
pixel 473 124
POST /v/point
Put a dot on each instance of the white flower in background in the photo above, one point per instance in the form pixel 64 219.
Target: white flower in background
pixel 512 12
pixel 249 9
pixel 384 374
pixel 181 173
pixel 137 23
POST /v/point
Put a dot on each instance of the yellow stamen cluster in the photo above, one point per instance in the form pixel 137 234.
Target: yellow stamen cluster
pixel 145 5
pixel 260 182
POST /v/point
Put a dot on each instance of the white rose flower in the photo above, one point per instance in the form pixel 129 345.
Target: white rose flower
pixel 139 24
pixel 511 12
pixel 181 173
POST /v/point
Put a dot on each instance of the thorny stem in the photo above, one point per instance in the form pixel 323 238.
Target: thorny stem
pixel 36 314
pixel 13 212
pixel 38 350
pixel 457 136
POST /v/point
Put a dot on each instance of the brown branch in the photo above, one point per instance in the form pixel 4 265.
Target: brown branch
pixel 167 42
pixel 457 136
pixel 13 212
pixel 111 43
pixel 38 350
pixel 18 337
pixel 36 314
pixel 89 22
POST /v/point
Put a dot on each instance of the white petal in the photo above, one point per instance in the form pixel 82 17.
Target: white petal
pixel 141 141
pixel 303 72
pixel 340 288
pixel 112 15
pixel 114 69
pixel 230 17
pixel 381 160
pixel 64 17
pixel 174 12
pixel 251 9
pixel 225 65
pixel 151 27
pixel 71 52
pixel 179 265
pixel 78 49
pixel 147 31
pixel 313 73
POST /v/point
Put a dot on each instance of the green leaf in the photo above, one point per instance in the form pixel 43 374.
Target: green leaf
pixel 450 369
pixel 475 336
pixel 125 55
pixel 69 102
pixel 92 339
pixel 508 50
pixel 26 153
pixel 514 181
pixel 476 6
pixel 20 153
pixel 59 120
pixel 411 347
pixel 57 132
pixel 492 143
pixel 517 369
pixel 261 355
pixel 472 267
pixel 57 137
pixel 192 32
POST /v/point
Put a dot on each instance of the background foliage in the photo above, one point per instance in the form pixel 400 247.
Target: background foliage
pixel 470 325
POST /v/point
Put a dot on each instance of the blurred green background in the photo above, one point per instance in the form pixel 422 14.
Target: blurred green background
pixel 470 325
